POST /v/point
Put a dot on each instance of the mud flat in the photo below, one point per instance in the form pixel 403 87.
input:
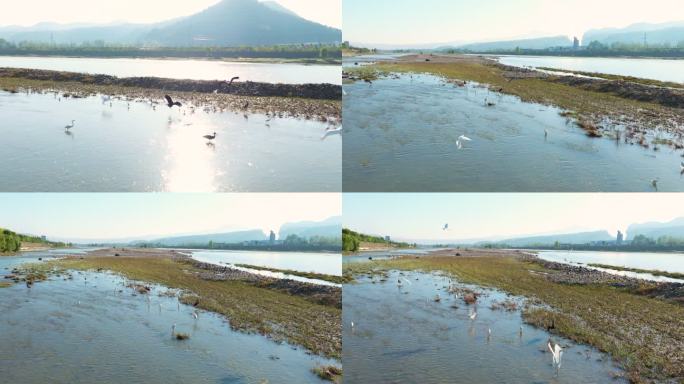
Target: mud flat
pixel 320 102
pixel 299 313
pixel 636 111
pixel 639 323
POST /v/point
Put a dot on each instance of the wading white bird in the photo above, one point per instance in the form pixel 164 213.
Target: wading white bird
pixel 194 315
pixel 472 314
pixel 210 137
pixel 173 329
pixel 69 126
pixel 556 354
pixel 681 167
pixel 105 98
pixel 460 140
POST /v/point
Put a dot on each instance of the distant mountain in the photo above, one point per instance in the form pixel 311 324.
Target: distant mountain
pixel 671 33
pixel 227 23
pixel 569 238
pixel 331 227
pixel 244 22
pixel 229 238
pixel 654 230
pixel 536 43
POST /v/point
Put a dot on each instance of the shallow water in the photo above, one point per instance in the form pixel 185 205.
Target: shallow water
pixel 362 257
pixel 84 330
pixel 117 149
pixel 400 135
pixel 418 340
pixel 323 263
pixel 288 73
pixel 656 69
pixel 669 262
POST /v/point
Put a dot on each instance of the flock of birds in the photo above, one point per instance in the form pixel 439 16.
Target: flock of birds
pixel 330 131
pixel 554 348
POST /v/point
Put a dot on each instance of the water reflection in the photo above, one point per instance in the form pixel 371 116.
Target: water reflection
pixel 137 147
pixel 288 73
pixel 657 69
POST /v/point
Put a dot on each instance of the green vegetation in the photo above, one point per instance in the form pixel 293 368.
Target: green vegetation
pixel 348 50
pixel 351 241
pixel 653 272
pixel 308 275
pixel 645 334
pixel 249 307
pixel 292 243
pixel 314 53
pixel 12 242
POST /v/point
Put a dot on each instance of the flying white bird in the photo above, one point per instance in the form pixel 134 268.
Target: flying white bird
pixel 460 140
pixel 331 131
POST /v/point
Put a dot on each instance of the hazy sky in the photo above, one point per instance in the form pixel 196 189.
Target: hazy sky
pixel 30 12
pixel 476 216
pixel 115 216
pixel 437 21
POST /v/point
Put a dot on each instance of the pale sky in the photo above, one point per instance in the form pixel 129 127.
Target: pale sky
pixel 124 216
pixel 30 12
pixel 440 21
pixel 420 217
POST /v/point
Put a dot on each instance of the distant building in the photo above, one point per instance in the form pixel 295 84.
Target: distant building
pixel 576 43
pixel 272 237
pixel 620 238
pixel 44 238
pixel 387 239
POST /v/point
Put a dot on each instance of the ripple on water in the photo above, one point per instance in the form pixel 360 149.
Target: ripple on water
pixel 400 135
pixel 65 331
pixel 415 339
pixel 142 149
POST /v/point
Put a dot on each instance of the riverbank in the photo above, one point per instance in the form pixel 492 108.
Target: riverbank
pixel 308 275
pixel 638 323
pixel 649 115
pixel 310 101
pixel 302 314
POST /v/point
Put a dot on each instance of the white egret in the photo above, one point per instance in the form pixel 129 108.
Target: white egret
pixel 331 131
pixel 472 315
pixel 460 140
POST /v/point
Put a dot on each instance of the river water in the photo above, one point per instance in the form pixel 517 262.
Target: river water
pixel 655 69
pixel 133 147
pixel 400 136
pixel 93 330
pixel 287 73
pixel 417 340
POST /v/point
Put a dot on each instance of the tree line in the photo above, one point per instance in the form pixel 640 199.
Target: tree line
pixel 100 48
pixel 11 241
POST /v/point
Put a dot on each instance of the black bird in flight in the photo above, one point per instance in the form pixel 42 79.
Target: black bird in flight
pixel 170 102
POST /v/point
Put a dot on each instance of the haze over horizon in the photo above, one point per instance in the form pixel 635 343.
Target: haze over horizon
pixel 125 217
pixel 434 22
pixel 31 12
pixel 420 217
